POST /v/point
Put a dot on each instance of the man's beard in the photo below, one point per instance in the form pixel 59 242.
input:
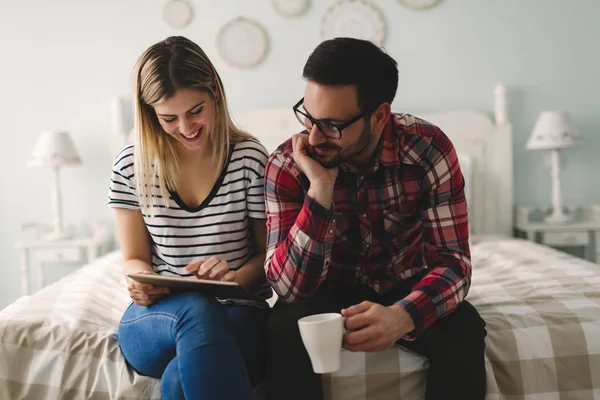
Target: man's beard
pixel 342 156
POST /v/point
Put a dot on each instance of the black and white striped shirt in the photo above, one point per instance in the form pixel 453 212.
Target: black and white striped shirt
pixel 218 227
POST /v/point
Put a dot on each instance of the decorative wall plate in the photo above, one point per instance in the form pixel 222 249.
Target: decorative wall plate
pixel 290 8
pixel 242 42
pixel 359 19
pixel 420 4
pixel 177 13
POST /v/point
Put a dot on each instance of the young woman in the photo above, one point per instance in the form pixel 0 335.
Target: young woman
pixel 188 200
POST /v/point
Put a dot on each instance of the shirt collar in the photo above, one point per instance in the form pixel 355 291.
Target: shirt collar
pixel 390 143
pixel 386 152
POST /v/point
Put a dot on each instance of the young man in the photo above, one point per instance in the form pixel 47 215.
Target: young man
pixel 366 214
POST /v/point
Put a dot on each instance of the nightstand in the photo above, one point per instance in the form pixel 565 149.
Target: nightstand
pixel 35 250
pixel 583 232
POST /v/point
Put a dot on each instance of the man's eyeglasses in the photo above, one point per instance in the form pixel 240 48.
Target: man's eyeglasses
pixel 329 130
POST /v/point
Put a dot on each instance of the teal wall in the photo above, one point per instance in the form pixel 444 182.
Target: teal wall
pixel 63 60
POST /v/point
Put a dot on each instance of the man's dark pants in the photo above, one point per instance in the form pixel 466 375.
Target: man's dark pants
pixel 454 346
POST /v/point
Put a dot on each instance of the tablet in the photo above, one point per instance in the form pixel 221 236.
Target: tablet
pixel 221 289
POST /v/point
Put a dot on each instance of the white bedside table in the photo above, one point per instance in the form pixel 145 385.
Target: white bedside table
pixel 582 232
pixel 77 249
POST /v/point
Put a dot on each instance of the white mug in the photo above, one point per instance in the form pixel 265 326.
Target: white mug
pixel 322 336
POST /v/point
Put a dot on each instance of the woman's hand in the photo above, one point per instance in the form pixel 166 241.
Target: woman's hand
pixel 144 294
pixel 213 269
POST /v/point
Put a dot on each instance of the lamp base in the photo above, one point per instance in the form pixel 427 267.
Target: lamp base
pixel 558 217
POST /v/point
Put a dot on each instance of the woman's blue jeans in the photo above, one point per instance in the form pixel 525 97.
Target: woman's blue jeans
pixel 199 348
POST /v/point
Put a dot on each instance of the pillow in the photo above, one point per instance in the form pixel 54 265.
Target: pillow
pixel 466 166
pixel 271 126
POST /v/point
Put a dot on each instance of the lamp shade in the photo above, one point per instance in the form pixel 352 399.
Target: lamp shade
pixel 54 148
pixel 553 130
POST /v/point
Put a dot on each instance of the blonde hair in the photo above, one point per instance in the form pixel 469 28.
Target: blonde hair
pixel 172 64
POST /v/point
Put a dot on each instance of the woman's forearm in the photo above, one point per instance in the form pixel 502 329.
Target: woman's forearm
pixel 135 266
pixel 252 274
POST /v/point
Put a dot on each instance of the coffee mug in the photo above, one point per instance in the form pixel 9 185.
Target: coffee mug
pixel 322 337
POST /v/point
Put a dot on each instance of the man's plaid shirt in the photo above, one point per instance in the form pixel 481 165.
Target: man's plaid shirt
pixel 405 213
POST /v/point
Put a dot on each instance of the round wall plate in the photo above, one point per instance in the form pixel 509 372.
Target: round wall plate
pixel 177 13
pixel 420 4
pixel 358 19
pixel 242 42
pixel 290 8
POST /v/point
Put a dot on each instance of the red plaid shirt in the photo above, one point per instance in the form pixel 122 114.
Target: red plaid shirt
pixel 405 213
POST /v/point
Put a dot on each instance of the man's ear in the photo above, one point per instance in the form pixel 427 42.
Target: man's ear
pixel 380 117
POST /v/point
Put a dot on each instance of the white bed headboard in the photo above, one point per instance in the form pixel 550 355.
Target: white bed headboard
pixel 485 142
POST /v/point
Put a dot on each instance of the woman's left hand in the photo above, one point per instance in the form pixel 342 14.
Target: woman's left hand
pixel 213 269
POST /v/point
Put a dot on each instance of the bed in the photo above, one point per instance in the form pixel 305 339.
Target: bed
pixel 541 306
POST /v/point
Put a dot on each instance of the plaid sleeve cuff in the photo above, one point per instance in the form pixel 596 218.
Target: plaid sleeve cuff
pixel 422 311
pixel 316 221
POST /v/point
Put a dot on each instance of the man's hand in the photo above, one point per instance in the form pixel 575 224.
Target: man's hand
pixel 373 327
pixel 144 294
pixel 322 180
pixel 315 172
pixel 213 269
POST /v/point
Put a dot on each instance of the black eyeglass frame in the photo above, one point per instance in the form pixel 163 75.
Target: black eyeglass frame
pixel 338 127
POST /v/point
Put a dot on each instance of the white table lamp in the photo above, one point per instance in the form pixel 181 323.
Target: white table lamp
pixel 55 149
pixel 554 131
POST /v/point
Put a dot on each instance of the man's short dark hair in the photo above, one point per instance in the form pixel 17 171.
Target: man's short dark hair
pixel 348 61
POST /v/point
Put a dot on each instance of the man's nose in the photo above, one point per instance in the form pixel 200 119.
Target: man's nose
pixel 315 137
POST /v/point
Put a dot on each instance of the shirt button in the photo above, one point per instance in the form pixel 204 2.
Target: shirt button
pixel 364 215
pixel 333 220
pixel 330 231
pixel 368 245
